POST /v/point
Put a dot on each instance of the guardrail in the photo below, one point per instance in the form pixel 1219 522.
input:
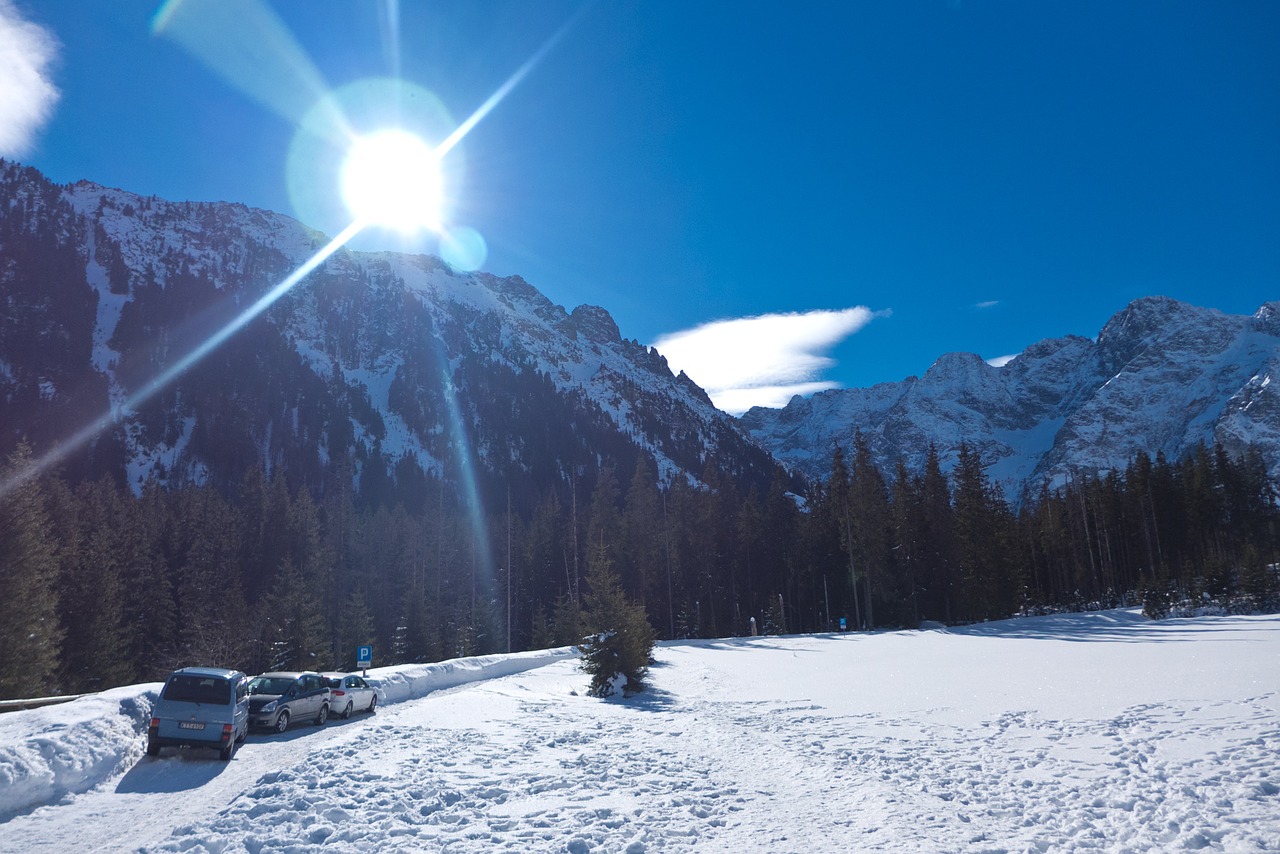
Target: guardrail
pixel 35 702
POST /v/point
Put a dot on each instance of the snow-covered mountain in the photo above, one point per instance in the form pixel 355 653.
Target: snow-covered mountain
pixel 1161 376
pixel 379 366
pixel 386 367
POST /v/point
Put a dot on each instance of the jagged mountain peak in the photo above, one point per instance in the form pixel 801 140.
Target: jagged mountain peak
pixel 595 323
pixel 957 367
pixel 1268 318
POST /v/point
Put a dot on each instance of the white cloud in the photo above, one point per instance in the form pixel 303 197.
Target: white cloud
pixel 765 360
pixel 27 95
pixel 1001 361
pixel 991 303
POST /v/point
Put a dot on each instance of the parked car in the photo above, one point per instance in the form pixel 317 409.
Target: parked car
pixel 276 699
pixel 201 707
pixel 349 693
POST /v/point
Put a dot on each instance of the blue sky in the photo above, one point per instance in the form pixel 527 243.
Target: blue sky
pixel 922 177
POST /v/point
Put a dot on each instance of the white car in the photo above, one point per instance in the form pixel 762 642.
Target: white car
pixel 350 692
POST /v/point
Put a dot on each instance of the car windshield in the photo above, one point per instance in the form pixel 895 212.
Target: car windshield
pixel 185 688
pixel 333 683
pixel 270 684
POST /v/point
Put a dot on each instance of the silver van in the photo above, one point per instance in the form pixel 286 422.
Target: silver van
pixel 201 707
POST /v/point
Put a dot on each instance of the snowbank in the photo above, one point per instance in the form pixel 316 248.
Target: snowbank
pixel 410 681
pixel 50 752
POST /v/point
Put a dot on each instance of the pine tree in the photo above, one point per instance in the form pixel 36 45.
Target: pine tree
pixel 355 629
pixel 641 561
pixel 150 620
pixel 908 537
pixel 1259 582
pixel 775 617
pixel 212 626
pixel 566 622
pixel 94 655
pixel 294 633
pixel 839 495
pixel 983 529
pixel 620 640
pixel 870 516
pixel 30 637
pixel 540 636
pixel 938 577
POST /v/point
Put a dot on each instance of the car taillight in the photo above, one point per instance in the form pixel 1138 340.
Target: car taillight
pixel 339 693
pixel 155 723
pixel 226 732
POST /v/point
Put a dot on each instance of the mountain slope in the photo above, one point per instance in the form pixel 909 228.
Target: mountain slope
pixel 1161 377
pixel 383 367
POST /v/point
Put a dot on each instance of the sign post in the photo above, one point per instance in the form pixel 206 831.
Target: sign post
pixel 364 658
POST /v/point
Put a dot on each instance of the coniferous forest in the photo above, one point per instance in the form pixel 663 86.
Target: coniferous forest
pixel 100 586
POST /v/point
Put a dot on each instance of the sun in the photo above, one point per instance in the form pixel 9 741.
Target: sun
pixel 391 178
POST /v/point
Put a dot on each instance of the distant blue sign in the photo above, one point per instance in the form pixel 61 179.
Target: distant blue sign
pixel 364 657
pixel 843 625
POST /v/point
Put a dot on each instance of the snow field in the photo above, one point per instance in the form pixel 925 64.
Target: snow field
pixel 1082 732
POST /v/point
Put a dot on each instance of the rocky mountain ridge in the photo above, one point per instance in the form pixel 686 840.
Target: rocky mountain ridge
pixel 380 367
pixel 1161 376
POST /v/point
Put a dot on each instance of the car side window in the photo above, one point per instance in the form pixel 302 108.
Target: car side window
pixel 242 690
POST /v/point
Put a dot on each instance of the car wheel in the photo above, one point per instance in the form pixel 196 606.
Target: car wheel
pixel 227 752
pixel 373 702
pixel 323 716
pixel 153 748
pixel 346 713
pixel 282 722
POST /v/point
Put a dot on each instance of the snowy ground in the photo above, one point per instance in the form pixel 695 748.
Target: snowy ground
pixel 1095 731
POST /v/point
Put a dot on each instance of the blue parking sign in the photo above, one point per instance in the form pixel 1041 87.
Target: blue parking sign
pixel 364 656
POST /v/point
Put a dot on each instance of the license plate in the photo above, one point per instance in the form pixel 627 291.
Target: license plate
pixel 189 725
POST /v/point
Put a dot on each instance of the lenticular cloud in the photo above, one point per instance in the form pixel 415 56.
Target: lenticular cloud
pixel 27 95
pixel 765 360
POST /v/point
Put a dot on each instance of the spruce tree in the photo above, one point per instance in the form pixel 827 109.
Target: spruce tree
pixel 566 621
pixel 94 656
pixel 355 629
pixel 620 639
pixel 294 634
pixel 30 637
pixel 642 562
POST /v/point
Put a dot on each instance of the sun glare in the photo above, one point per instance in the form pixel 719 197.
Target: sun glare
pixel 392 178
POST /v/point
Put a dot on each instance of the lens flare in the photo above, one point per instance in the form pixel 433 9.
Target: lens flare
pixel 321 150
pixel 392 178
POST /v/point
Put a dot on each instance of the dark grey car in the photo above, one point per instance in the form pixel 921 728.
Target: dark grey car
pixel 277 699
